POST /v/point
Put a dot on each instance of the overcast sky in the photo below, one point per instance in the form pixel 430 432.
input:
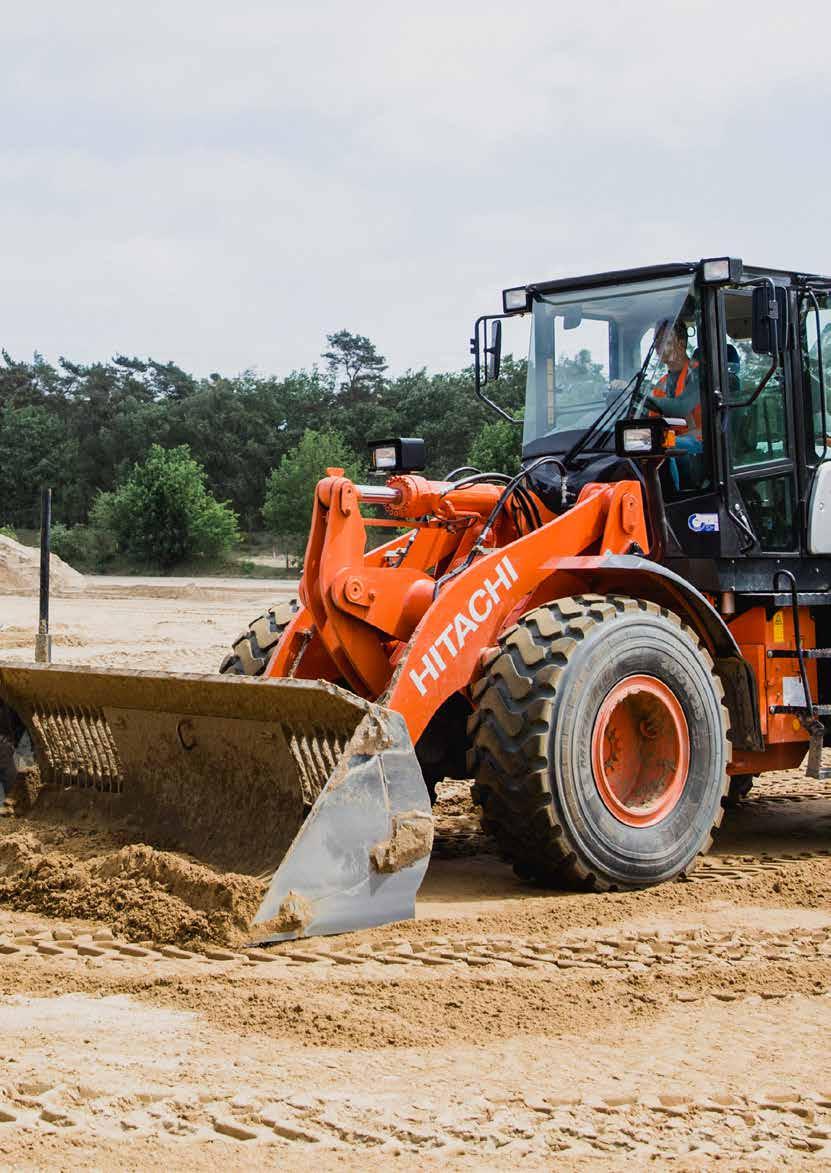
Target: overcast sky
pixel 224 184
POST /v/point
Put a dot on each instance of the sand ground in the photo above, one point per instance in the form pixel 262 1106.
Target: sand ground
pixel 686 1024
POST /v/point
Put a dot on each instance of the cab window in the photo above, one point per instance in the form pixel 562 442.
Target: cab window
pixel 759 435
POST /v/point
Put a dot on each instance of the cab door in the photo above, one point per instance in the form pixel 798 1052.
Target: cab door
pixel 760 438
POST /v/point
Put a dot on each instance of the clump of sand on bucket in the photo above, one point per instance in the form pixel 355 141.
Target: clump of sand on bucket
pixel 20 571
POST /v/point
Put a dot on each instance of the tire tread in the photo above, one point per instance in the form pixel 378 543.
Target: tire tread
pixel 254 647
pixel 509 731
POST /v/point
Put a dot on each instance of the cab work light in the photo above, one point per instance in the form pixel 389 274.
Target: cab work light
pixel 721 269
pixel 515 301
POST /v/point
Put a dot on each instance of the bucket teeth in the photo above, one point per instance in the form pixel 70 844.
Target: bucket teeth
pixel 315 756
pixel 78 749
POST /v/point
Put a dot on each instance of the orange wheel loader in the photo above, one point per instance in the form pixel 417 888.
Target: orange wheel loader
pixel 611 643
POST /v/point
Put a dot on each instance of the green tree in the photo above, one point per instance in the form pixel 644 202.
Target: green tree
pixel 498 448
pixel 33 451
pixel 82 428
pixel 290 489
pixel 241 427
pixel 444 410
pixel 356 369
pixel 163 514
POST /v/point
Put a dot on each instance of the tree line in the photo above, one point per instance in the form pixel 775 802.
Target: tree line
pixel 255 443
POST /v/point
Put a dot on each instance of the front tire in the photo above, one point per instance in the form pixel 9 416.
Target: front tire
pixel 600 744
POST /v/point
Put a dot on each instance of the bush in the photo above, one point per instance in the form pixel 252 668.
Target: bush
pixel 83 546
pixel 163 515
pixel 6 531
pixel 498 448
pixel 290 489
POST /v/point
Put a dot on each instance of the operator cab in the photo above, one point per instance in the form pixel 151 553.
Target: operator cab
pixel 747 486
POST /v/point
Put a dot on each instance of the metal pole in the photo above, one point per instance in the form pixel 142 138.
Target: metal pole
pixel 43 643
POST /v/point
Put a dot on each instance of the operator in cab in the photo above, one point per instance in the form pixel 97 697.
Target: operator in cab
pixel 677 394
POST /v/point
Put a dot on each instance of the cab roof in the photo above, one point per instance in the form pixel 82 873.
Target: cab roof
pixel 674 269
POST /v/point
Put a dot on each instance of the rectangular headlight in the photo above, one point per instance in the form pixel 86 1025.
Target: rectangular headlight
pixel 721 269
pixel 403 454
pixel 643 439
pixel 637 440
pixel 383 458
pixel 515 300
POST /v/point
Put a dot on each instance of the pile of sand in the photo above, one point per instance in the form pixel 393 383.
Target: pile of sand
pixel 143 894
pixel 20 571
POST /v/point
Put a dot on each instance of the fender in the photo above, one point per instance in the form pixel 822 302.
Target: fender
pixel 638 576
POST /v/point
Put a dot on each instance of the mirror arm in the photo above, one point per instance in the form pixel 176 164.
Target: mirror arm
pixel 495 407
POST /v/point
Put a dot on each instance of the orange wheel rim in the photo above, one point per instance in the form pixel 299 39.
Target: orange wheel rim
pixel 640 751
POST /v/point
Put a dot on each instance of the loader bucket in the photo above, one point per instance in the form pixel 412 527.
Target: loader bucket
pixel 300 783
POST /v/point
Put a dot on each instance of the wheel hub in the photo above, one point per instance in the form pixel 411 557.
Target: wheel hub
pixel 640 751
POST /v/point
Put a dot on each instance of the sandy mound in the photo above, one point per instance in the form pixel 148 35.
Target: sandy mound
pixel 141 893
pixel 20 571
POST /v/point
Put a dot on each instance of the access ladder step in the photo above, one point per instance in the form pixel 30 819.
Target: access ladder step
pixel 801 710
pixel 814 767
pixel 808 653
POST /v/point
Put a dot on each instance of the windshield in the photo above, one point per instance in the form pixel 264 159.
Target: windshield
pixel 593 348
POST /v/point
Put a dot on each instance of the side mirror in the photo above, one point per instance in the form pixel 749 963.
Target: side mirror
pixel 493 352
pixel 484 372
pixel 770 319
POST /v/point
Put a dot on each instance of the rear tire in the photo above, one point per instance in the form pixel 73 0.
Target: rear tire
pixel 541 763
pixel 254 647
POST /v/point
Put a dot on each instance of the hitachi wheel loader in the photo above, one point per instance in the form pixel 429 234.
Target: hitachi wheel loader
pixel 611 643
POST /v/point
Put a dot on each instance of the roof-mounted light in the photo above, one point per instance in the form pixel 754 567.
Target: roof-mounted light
pixel 515 301
pixel 722 270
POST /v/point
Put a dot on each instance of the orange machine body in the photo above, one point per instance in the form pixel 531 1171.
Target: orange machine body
pixel 758 632
pixel 409 623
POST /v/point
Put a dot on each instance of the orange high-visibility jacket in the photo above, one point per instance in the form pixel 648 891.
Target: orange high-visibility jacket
pixel 660 392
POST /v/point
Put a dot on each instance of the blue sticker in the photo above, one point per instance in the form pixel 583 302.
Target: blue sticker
pixel 703 523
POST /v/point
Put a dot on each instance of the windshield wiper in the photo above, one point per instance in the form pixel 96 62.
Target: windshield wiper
pixel 607 415
pixel 634 403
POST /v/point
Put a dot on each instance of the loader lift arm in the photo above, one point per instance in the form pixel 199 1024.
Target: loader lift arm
pixel 391 631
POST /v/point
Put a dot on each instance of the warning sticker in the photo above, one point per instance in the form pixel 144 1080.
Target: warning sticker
pixel 792 691
pixel 778 628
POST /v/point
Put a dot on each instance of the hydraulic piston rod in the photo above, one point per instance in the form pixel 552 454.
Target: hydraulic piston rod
pixel 378 494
